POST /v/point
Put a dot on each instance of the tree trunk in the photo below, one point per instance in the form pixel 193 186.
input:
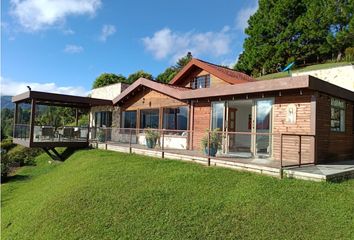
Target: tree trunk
pixel 339 56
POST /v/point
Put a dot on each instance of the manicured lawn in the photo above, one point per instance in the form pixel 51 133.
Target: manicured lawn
pixel 98 194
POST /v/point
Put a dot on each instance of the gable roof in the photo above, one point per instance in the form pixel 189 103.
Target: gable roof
pixel 167 89
pixel 224 73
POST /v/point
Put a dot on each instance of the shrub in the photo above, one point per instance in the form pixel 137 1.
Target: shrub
pixel 7 144
pixel 23 155
pixel 349 54
pixel 5 166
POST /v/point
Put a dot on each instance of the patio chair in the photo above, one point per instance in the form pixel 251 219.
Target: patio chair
pixel 68 133
pixel 47 133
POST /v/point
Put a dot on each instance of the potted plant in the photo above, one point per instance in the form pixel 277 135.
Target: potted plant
pixel 215 142
pixel 101 136
pixel 151 137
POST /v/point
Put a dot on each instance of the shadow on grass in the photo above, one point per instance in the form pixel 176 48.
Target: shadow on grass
pixel 15 178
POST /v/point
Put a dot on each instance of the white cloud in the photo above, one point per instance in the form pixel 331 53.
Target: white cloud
pixel 166 43
pixel 68 31
pixel 107 30
pixel 70 48
pixel 11 88
pixel 35 15
pixel 243 15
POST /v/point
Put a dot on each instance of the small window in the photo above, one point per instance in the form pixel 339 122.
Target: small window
pixel 149 118
pixel 201 82
pixel 129 119
pixel 337 115
pixel 175 118
pixel 103 119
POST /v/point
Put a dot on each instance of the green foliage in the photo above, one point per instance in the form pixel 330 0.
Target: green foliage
pixel 7 116
pixel 151 134
pixel 349 54
pixel 7 144
pixel 139 74
pixel 108 78
pixel 305 31
pixel 23 156
pixel 172 71
pixel 5 166
pixel 98 194
pixel 215 139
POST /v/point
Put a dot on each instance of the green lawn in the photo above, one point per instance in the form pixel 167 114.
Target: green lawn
pixel 98 194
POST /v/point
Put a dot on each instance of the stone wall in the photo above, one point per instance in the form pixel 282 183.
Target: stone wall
pixel 342 76
pixel 109 92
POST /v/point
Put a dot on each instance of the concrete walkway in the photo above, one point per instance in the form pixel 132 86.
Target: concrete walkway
pixel 323 172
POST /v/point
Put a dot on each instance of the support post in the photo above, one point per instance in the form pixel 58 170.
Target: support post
pixel 32 121
pixel 299 150
pixel 281 156
pixel 76 117
pixel 15 120
pixel 208 147
pixel 163 144
pixel 130 140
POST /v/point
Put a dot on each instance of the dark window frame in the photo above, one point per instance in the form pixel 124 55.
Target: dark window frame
pixel 205 81
pixel 124 115
pixel 143 114
pixel 341 112
pixel 177 123
pixel 103 119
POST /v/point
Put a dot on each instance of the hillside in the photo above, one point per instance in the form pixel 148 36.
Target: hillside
pixel 98 194
pixel 6 102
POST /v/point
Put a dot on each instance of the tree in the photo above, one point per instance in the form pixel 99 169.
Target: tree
pixel 108 78
pixel 139 74
pixel 305 31
pixel 172 71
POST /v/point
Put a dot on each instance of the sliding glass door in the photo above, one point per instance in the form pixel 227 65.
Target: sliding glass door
pixel 263 127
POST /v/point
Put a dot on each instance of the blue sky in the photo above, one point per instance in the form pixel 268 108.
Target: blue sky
pixel 63 45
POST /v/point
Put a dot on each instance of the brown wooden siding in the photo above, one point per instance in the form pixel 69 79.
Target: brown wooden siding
pixel 201 122
pixel 151 99
pixel 333 146
pixel 303 125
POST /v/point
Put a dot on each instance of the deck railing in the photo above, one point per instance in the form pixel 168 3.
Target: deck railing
pixel 256 147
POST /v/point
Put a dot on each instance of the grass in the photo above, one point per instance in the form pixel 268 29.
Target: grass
pixel 304 69
pixel 98 194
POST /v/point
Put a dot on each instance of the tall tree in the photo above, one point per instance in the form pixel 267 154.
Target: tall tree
pixel 172 71
pixel 108 78
pixel 139 74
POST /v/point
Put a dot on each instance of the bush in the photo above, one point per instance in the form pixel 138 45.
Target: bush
pixel 23 156
pixel 7 144
pixel 5 166
pixel 349 54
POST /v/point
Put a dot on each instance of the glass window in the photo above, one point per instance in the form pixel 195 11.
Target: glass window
pixel 337 115
pixel 175 118
pixel 201 82
pixel 149 118
pixel 129 119
pixel 103 119
pixel 217 120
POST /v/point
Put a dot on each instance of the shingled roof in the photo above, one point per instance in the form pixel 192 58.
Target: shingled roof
pixel 228 75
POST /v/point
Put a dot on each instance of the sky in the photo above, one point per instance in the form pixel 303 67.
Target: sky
pixel 63 45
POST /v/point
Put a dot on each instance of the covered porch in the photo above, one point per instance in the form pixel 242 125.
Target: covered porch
pixel 48 120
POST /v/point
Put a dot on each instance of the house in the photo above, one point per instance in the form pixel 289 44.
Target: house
pixel 299 119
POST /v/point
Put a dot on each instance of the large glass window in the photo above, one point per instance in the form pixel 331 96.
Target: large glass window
pixel 129 119
pixel 149 118
pixel 103 119
pixel 337 115
pixel 201 82
pixel 175 118
pixel 218 113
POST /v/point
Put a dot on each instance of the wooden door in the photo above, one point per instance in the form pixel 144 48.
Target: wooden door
pixel 231 127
